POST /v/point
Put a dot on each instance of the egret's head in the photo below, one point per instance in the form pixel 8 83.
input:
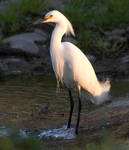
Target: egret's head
pixel 52 16
pixel 58 18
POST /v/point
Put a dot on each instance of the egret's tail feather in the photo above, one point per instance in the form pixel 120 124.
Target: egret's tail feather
pixel 106 85
pixel 104 96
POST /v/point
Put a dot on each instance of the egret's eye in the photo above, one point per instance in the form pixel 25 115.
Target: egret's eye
pixel 48 17
pixel 43 16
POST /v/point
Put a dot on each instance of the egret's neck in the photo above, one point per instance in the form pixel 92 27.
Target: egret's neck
pixel 57 35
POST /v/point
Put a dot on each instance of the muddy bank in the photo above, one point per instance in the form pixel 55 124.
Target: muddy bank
pixel 34 105
pixel 40 117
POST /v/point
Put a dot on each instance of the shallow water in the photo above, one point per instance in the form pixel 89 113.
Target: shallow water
pixel 35 102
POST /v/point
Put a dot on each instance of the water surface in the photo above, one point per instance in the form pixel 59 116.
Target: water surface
pixel 34 103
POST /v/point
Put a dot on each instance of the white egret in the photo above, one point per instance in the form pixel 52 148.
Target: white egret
pixel 71 66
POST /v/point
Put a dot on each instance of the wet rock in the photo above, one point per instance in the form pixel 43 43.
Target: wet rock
pixel 114 113
pixel 44 109
pixel 25 41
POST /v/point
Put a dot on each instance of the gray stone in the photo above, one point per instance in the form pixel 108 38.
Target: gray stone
pixel 91 58
pixel 108 33
pixel 117 38
pixel 43 34
pixel 127 29
pixel 1 34
pixel 16 62
pixel 118 32
pixel 26 41
pixel 70 39
pixel 57 4
pixel 124 60
pixel 3 8
pixel 14 66
pixel 3 67
pixel 4 5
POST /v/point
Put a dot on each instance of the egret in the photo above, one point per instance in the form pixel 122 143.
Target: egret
pixel 71 66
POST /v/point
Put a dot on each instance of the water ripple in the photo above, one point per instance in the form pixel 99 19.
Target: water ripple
pixel 58 133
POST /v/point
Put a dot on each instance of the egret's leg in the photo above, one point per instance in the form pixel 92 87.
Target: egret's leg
pixel 71 109
pixel 79 110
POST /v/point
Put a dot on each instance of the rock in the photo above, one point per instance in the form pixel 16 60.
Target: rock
pixel 3 67
pixel 44 109
pixel 40 32
pixel 123 63
pixel 57 4
pixel 124 59
pixel 118 32
pixel 114 113
pixel 3 7
pixel 69 39
pixel 14 66
pixel 117 38
pixel 108 33
pixel 16 63
pixel 91 58
pixel 26 41
pixel 127 29
pixel 1 34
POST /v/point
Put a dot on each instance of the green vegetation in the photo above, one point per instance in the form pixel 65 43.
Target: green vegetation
pixel 6 143
pixel 15 142
pixel 13 20
pixel 90 17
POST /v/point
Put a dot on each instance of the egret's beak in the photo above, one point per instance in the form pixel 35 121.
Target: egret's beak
pixel 43 20
pixel 39 21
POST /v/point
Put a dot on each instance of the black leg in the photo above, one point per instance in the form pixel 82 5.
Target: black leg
pixel 79 110
pixel 71 109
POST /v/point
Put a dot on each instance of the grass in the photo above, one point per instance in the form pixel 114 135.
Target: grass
pixel 14 19
pixel 87 16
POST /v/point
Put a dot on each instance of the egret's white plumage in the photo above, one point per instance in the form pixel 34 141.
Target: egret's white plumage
pixel 70 65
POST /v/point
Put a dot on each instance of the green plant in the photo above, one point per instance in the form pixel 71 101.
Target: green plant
pixel 89 15
pixel 15 142
pixel 14 20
